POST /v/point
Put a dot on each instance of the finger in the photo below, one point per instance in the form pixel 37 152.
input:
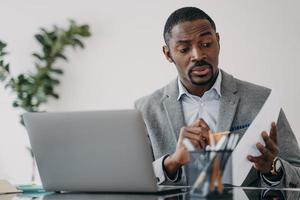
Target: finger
pixel 198 131
pixel 197 140
pixel 192 135
pixel 266 154
pixel 256 166
pixel 203 144
pixel 259 166
pixel 202 134
pixel 200 123
pixel 195 144
pixel 253 159
pixel 273 132
pixel 270 144
pixel 258 162
pixel 204 124
pixel 181 135
pixel 198 144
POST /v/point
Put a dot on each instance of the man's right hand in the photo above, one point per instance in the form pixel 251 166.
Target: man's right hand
pixel 198 134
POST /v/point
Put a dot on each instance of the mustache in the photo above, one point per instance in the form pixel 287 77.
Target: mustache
pixel 200 64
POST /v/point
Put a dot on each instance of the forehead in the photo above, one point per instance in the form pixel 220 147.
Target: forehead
pixel 189 29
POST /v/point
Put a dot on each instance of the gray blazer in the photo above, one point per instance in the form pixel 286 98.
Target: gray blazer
pixel 239 104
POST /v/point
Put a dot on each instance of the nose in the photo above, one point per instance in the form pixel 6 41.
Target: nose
pixel 197 54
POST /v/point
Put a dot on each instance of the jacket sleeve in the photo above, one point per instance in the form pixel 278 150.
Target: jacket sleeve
pixel 289 154
pixel 162 176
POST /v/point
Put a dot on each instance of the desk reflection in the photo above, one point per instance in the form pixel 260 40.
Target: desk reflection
pixel 107 196
pixel 235 193
pixel 232 194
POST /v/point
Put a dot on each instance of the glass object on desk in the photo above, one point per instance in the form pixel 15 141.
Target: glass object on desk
pixel 205 171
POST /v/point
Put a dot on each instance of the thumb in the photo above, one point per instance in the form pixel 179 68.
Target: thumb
pixel 181 136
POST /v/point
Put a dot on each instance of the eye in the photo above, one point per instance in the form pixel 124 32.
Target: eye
pixel 184 50
pixel 206 44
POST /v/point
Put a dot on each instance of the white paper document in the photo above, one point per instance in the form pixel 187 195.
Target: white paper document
pixel 247 146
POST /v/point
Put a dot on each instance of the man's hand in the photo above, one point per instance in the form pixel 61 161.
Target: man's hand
pixel 263 163
pixel 198 134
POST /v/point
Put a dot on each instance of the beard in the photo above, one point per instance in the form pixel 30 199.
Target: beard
pixel 202 80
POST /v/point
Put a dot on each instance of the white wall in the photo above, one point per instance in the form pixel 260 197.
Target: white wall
pixel 123 59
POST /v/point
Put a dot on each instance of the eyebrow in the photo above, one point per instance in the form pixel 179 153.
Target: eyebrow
pixel 188 41
pixel 205 33
pixel 183 41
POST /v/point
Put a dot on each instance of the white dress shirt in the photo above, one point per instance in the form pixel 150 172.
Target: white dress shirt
pixel 195 107
pixel 205 107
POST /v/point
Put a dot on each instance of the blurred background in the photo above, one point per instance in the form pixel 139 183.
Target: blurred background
pixel 123 58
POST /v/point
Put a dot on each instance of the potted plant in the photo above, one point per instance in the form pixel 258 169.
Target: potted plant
pixel 33 89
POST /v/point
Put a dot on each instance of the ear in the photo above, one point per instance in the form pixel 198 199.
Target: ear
pixel 167 53
pixel 218 38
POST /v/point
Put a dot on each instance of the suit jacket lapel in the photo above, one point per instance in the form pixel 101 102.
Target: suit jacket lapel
pixel 228 102
pixel 173 108
pixel 227 111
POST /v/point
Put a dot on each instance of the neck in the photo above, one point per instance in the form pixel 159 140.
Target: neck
pixel 199 90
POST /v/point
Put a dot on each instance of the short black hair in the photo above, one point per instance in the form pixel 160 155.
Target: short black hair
pixel 182 15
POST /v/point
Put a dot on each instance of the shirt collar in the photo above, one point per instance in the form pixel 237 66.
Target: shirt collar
pixel 216 87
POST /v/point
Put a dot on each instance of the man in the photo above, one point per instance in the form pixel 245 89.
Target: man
pixel 206 99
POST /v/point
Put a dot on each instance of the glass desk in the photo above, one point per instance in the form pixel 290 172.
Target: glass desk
pixel 235 193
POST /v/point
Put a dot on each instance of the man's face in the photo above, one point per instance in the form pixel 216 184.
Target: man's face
pixel 194 49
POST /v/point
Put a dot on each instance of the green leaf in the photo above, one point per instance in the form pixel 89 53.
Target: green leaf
pixel 47 39
pixel 54 82
pixel 59 55
pixel 40 39
pixel 57 71
pixel 11 83
pixel 44 31
pixel 6 67
pixel 84 31
pixel 2 45
pixel 78 42
pixel 41 96
pixel 56 96
pixel 56 48
pixel 15 104
pixel 4 71
pixel 2 54
pixel 38 56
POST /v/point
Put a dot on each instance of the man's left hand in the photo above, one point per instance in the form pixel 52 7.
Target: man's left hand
pixel 263 163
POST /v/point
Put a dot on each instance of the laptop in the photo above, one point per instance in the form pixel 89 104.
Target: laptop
pixel 93 151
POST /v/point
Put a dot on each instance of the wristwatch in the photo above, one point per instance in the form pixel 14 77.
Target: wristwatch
pixel 276 166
